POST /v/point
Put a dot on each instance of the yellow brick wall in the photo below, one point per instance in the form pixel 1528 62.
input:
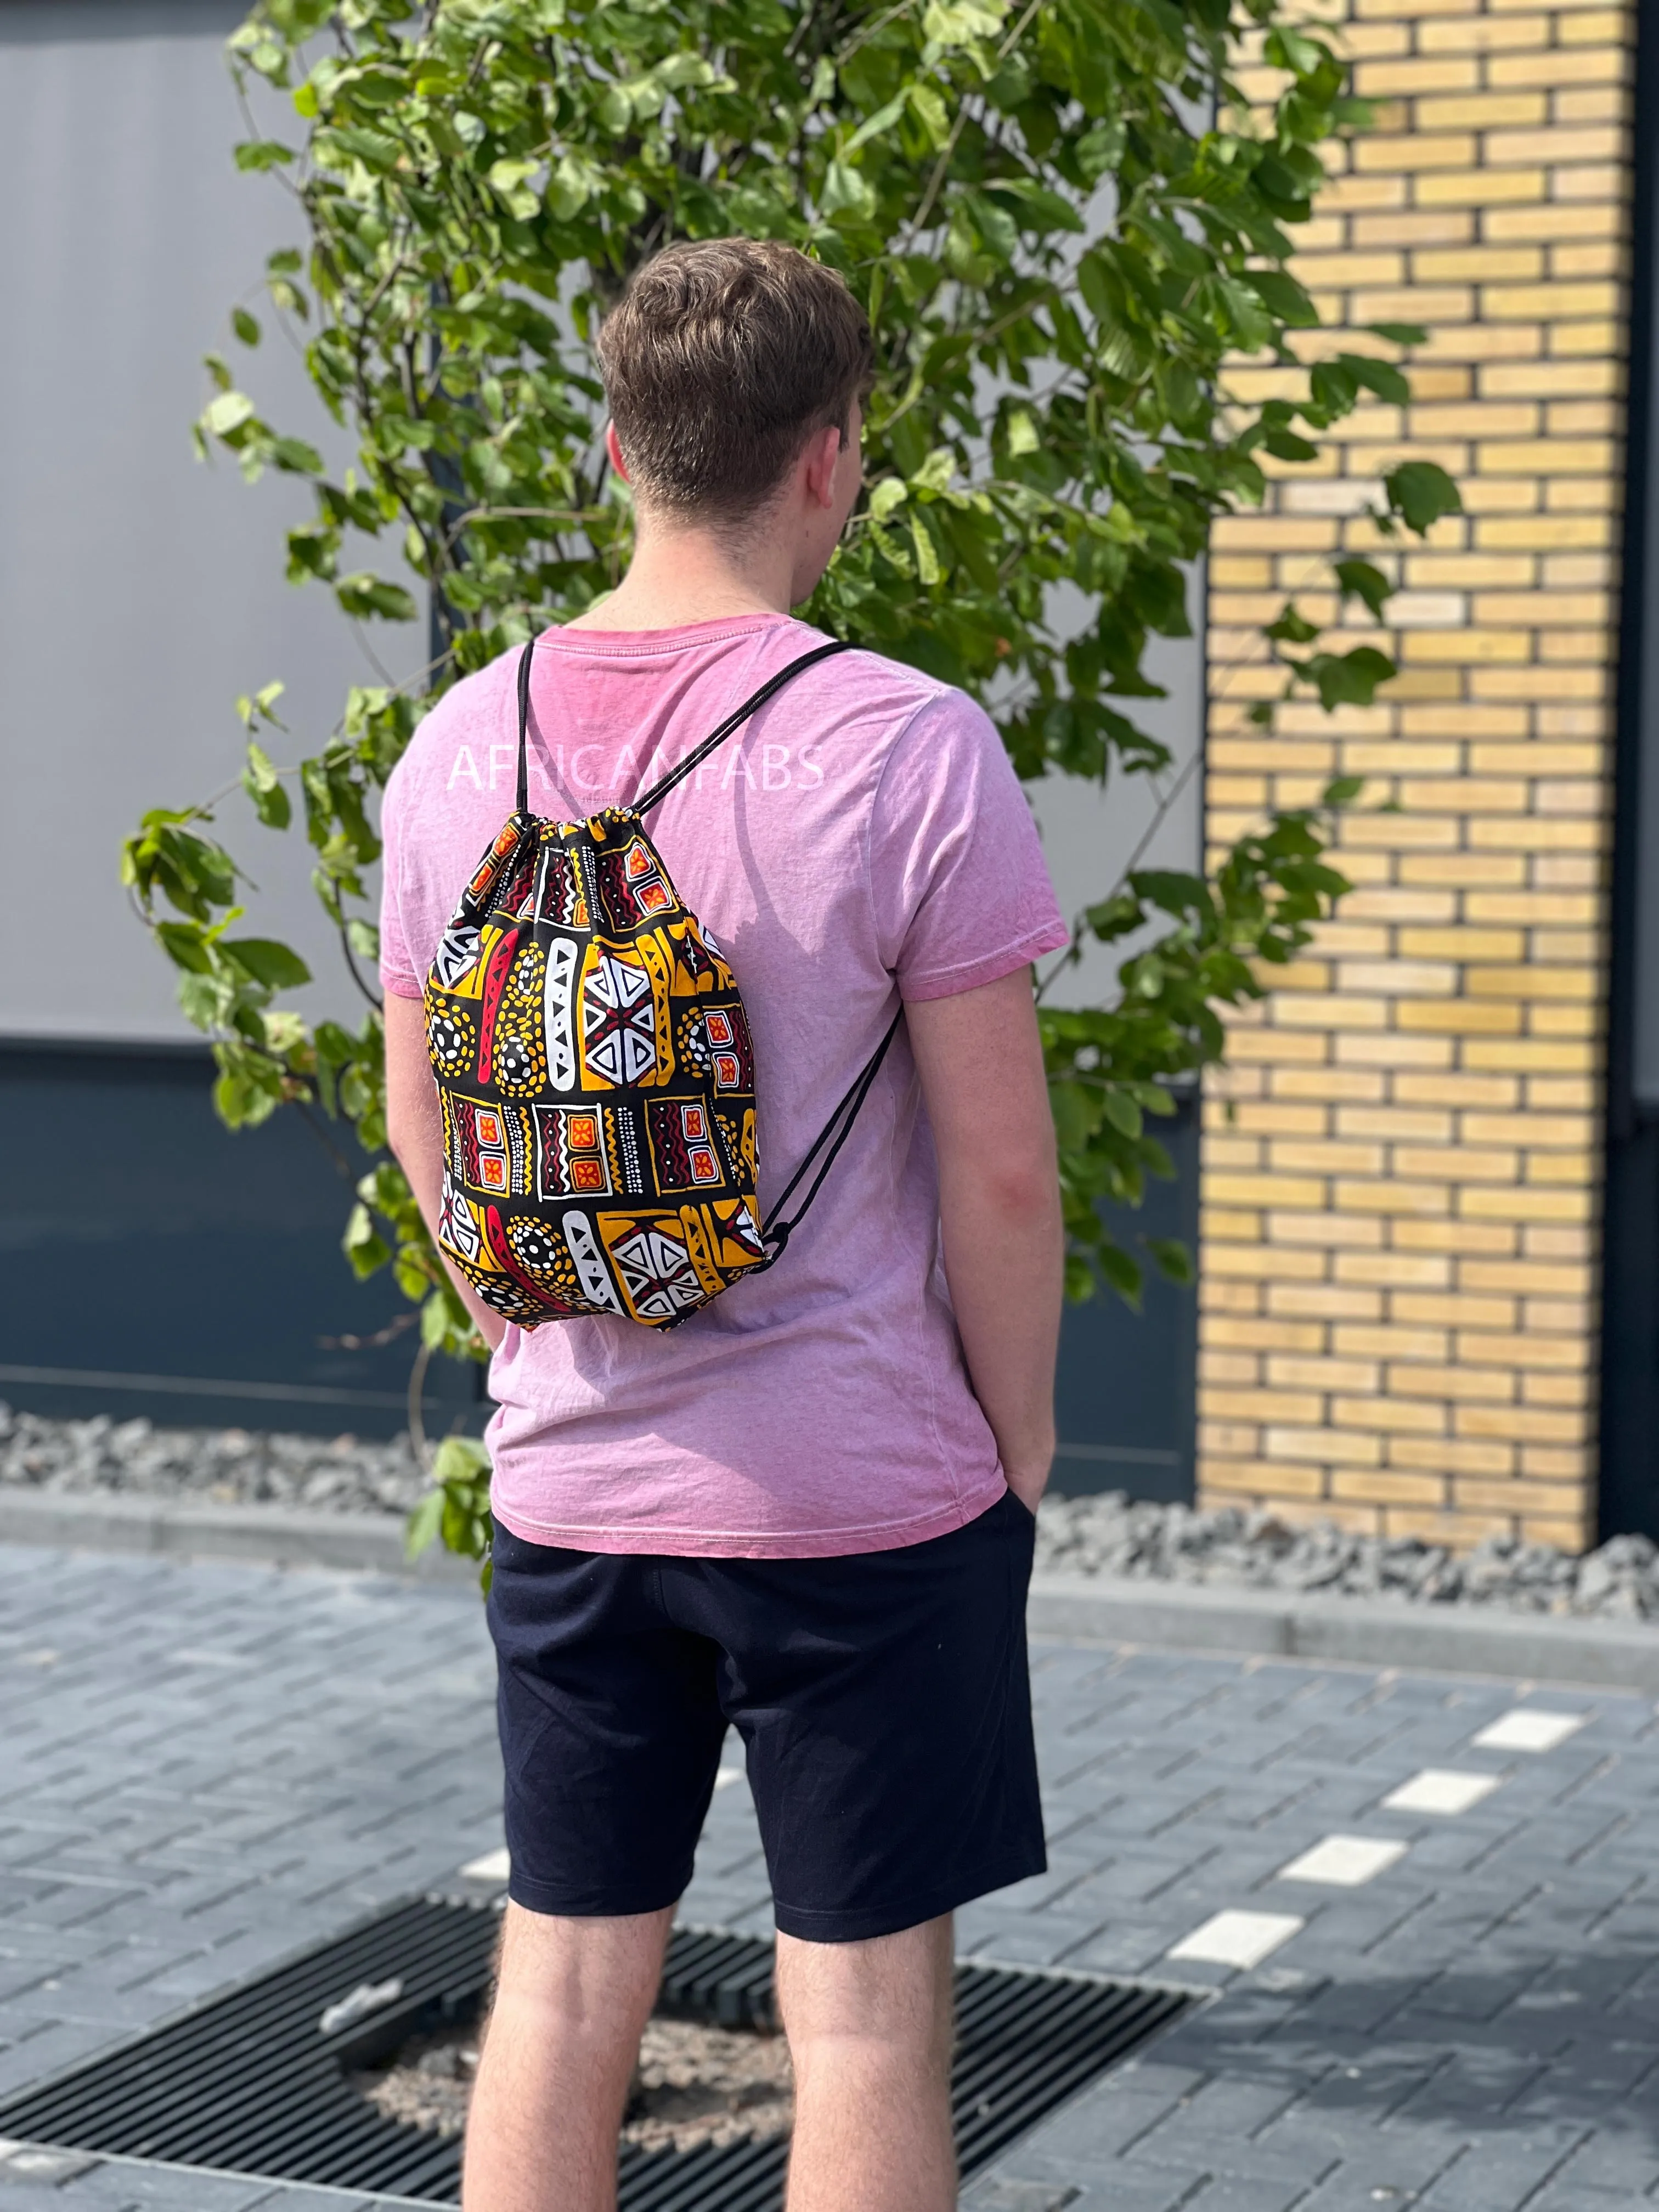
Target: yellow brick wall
pixel 1400 1166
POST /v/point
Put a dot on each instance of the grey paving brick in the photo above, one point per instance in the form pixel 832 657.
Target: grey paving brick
pixel 1498 2174
pixel 297 2196
pixel 117 2184
pixel 28 2196
pixel 1230 2192
pixel 283 1752
pixel 1567 2195
pixel 1621 2158
pixel 1378 2176
pixel 42 2165
pixel 1006 2194
pixel 1126 2191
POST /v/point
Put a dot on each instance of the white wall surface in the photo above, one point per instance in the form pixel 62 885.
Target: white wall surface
pixel 1091 833
pixel 140 592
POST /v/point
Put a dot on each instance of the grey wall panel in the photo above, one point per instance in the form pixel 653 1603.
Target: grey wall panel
pixel 185 1273
pixel 1639 782
pixel 1125 1398
pixel 140 592
pixel 1090 833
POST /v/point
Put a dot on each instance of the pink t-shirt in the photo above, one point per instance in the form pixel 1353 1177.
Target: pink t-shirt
pixel 862 840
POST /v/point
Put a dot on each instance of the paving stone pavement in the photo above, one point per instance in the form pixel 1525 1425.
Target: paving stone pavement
pixel 204 1769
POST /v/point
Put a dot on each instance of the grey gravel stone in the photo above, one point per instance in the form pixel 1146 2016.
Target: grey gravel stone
pixel 1233 1548
pixel 228 1466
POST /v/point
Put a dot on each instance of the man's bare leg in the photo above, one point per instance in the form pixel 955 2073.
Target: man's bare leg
pixel 572 1999
pixel 870 2027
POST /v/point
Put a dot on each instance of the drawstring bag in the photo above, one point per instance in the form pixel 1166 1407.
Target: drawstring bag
pixel 594 1068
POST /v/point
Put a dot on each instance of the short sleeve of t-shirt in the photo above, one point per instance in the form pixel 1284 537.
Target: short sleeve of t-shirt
pixel 960 887
pixel 413 790
pixel 398 972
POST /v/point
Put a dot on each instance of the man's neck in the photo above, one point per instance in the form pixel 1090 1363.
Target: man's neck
pixel 680 577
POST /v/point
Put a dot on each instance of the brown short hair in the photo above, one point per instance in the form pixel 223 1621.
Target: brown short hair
pixel 723 358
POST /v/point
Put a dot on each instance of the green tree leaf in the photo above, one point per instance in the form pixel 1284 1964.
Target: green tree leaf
pixel 267 961
pixel 1065 223
pixel 1361 580
pixel 1419 493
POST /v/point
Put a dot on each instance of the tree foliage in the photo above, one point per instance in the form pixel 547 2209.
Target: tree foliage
pixel 1063 222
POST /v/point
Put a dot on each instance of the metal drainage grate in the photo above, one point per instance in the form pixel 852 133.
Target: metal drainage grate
pixel 253 2083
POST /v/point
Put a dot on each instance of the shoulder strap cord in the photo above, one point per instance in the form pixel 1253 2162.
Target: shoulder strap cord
pixel 698 754
pixel 525 660
pixel 777 1231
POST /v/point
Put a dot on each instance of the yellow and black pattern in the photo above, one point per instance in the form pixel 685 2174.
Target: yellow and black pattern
pixel 597 1080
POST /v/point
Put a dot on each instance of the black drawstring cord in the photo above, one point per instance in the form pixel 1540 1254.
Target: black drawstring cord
pixel 698 754
pixel 780 1231
pixel 525 660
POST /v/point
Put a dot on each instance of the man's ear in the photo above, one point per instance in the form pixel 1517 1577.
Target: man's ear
pixel 819 461
pixel 613 448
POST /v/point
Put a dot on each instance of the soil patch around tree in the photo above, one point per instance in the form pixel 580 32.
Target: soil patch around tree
pixel 694 2084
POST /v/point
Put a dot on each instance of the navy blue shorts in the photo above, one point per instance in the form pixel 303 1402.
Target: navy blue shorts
pixel 884 1701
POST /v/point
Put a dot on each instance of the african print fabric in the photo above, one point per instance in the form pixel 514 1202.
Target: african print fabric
pixel 598 1086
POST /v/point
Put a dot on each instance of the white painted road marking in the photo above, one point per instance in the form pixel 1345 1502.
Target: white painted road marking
pixel 1441 1789
pixel 1344 1862
pixel 1527 1729
pixel 1238 1939
pixel 494 1866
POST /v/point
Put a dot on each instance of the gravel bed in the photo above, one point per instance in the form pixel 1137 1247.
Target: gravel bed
pixel 206 1467
pixel 1231 1548
pixel 693 2086
pixel 1236 1549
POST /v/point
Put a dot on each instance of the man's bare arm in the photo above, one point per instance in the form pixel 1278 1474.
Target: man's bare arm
pixel 980 1062
pixel 414 1131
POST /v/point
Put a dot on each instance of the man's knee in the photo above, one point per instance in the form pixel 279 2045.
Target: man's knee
pixel 892 1991
pixel 590 1974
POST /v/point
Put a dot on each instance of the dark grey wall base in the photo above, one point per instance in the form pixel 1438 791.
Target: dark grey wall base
pixel 1126 1393
pixel 188 1273
pixel 194 1275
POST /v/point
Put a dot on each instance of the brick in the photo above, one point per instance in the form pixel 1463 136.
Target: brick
pixel 1240 1404
pixel 1493 741
pixel 1556 146
pixel 1388 1416
pixel 1323 1446
pixel 1325 1230
pixel 1420 227
pixel 1479 33
pixel 1590 219
pixel 1462 1017
pixel 1384 1488
pixel 1558 67
pixel 1381 79
pixel 1455 1456
pixel 1393 1268
pixel 1491 265
pixel 1324 1301
pixel 1458 184
pixel 1476 111
pixel 1593 335
pixel 1462 1384
pixel 1463 1089
pixel 1440 150
pixel 1539 531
